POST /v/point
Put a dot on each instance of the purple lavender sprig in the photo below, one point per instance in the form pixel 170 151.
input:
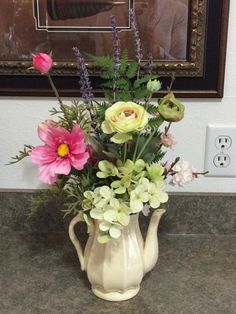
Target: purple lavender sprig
pixel 116 43
pixel 149 65
pixel 84 81
pixel 136 37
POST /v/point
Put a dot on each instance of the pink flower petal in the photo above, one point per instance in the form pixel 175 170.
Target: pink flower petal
pixel 77 133
pixel 56 136
pixel 62 166
pixel 42 133
pixel 78 148
pixel 78 161
pixel 42 155
pixel 43 128
pixel 45 175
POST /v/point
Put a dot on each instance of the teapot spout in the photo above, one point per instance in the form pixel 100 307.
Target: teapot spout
pixel 151 248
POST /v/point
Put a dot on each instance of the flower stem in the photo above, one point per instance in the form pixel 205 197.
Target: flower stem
pixel 147 101
pixel 167 128
pixel 171 167
pixel 146 143
pixel 54 89
pixel 125 151
pixel 136 148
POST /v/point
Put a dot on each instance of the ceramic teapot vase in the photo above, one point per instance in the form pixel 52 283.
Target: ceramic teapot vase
pixel 115 269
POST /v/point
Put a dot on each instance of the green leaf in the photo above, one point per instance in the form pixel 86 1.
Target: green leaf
pixel 105 62
pixel 120 138
pixel 155 123
pixel 124 95
pixel 132 70
pixel 123 62
pixel 108 74
pixel 152 108
pixel 143 79
pixel 101 109
pixel 109 95
pixel 122 84
pixel 108 84
pixel 141 93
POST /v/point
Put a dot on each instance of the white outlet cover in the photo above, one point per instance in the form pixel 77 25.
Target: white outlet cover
pixel 214 132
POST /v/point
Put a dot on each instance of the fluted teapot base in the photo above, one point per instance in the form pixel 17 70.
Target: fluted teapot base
pixel 115 296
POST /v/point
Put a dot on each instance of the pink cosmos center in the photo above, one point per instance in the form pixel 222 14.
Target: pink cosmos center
pixel 63 150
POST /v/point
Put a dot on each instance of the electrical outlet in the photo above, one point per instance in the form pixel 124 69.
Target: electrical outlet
pixel 220 154
pixel 222 161
pixel 223 142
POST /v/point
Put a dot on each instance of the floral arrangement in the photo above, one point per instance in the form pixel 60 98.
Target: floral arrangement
pixel 105 157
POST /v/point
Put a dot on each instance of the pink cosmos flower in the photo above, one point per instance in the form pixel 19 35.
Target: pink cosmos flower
pixel 168 140
pixel 62 150
pixel 42 62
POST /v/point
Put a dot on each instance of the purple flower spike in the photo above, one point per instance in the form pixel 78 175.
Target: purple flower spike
pixel 116 42
pixel 84 81
pixel 137 41
pixel 149 65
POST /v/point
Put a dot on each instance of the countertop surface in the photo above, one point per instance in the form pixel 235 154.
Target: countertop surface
pixel 40 273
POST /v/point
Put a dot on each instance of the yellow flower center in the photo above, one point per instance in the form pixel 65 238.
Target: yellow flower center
pixel 63 150
pixel 128 114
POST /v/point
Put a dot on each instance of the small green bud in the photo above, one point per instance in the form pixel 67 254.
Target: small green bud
pixel 153 86
pixel 171 109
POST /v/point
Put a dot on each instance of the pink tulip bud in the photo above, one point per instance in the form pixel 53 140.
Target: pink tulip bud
pixel 42 62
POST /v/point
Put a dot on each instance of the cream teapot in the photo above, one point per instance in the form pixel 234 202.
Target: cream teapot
pixel 115 269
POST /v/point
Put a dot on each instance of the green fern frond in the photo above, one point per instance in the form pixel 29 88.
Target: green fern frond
pixel 155 123
pixel 101 109
pixel 158 156
pixel 141 93
pixel 22 154
pixel 105 62
pixel 152 108
pixel 143 79
pixel 123 62
pixel 132 70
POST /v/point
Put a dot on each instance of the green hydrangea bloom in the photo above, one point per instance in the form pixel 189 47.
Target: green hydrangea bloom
pixel 155 172
pixel 120 186
pixel 108 231
pixel 126 168
pixel 139 165
pixel 107 169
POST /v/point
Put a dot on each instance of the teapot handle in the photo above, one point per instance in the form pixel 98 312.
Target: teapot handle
pixel 75 240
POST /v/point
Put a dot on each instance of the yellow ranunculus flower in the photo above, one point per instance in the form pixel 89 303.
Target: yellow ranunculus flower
pixel 124 117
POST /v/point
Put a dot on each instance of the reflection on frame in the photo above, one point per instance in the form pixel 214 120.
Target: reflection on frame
pixel 58 25
pixel 187 37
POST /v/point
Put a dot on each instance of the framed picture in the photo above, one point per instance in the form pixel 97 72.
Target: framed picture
pixel 186 37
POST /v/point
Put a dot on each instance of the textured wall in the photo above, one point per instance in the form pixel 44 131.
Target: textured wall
pixel 20 116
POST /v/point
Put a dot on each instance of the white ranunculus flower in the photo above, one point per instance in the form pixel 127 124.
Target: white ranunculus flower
pixel 184 173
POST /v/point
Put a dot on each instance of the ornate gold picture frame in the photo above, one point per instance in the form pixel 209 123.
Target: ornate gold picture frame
pixel 46 25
